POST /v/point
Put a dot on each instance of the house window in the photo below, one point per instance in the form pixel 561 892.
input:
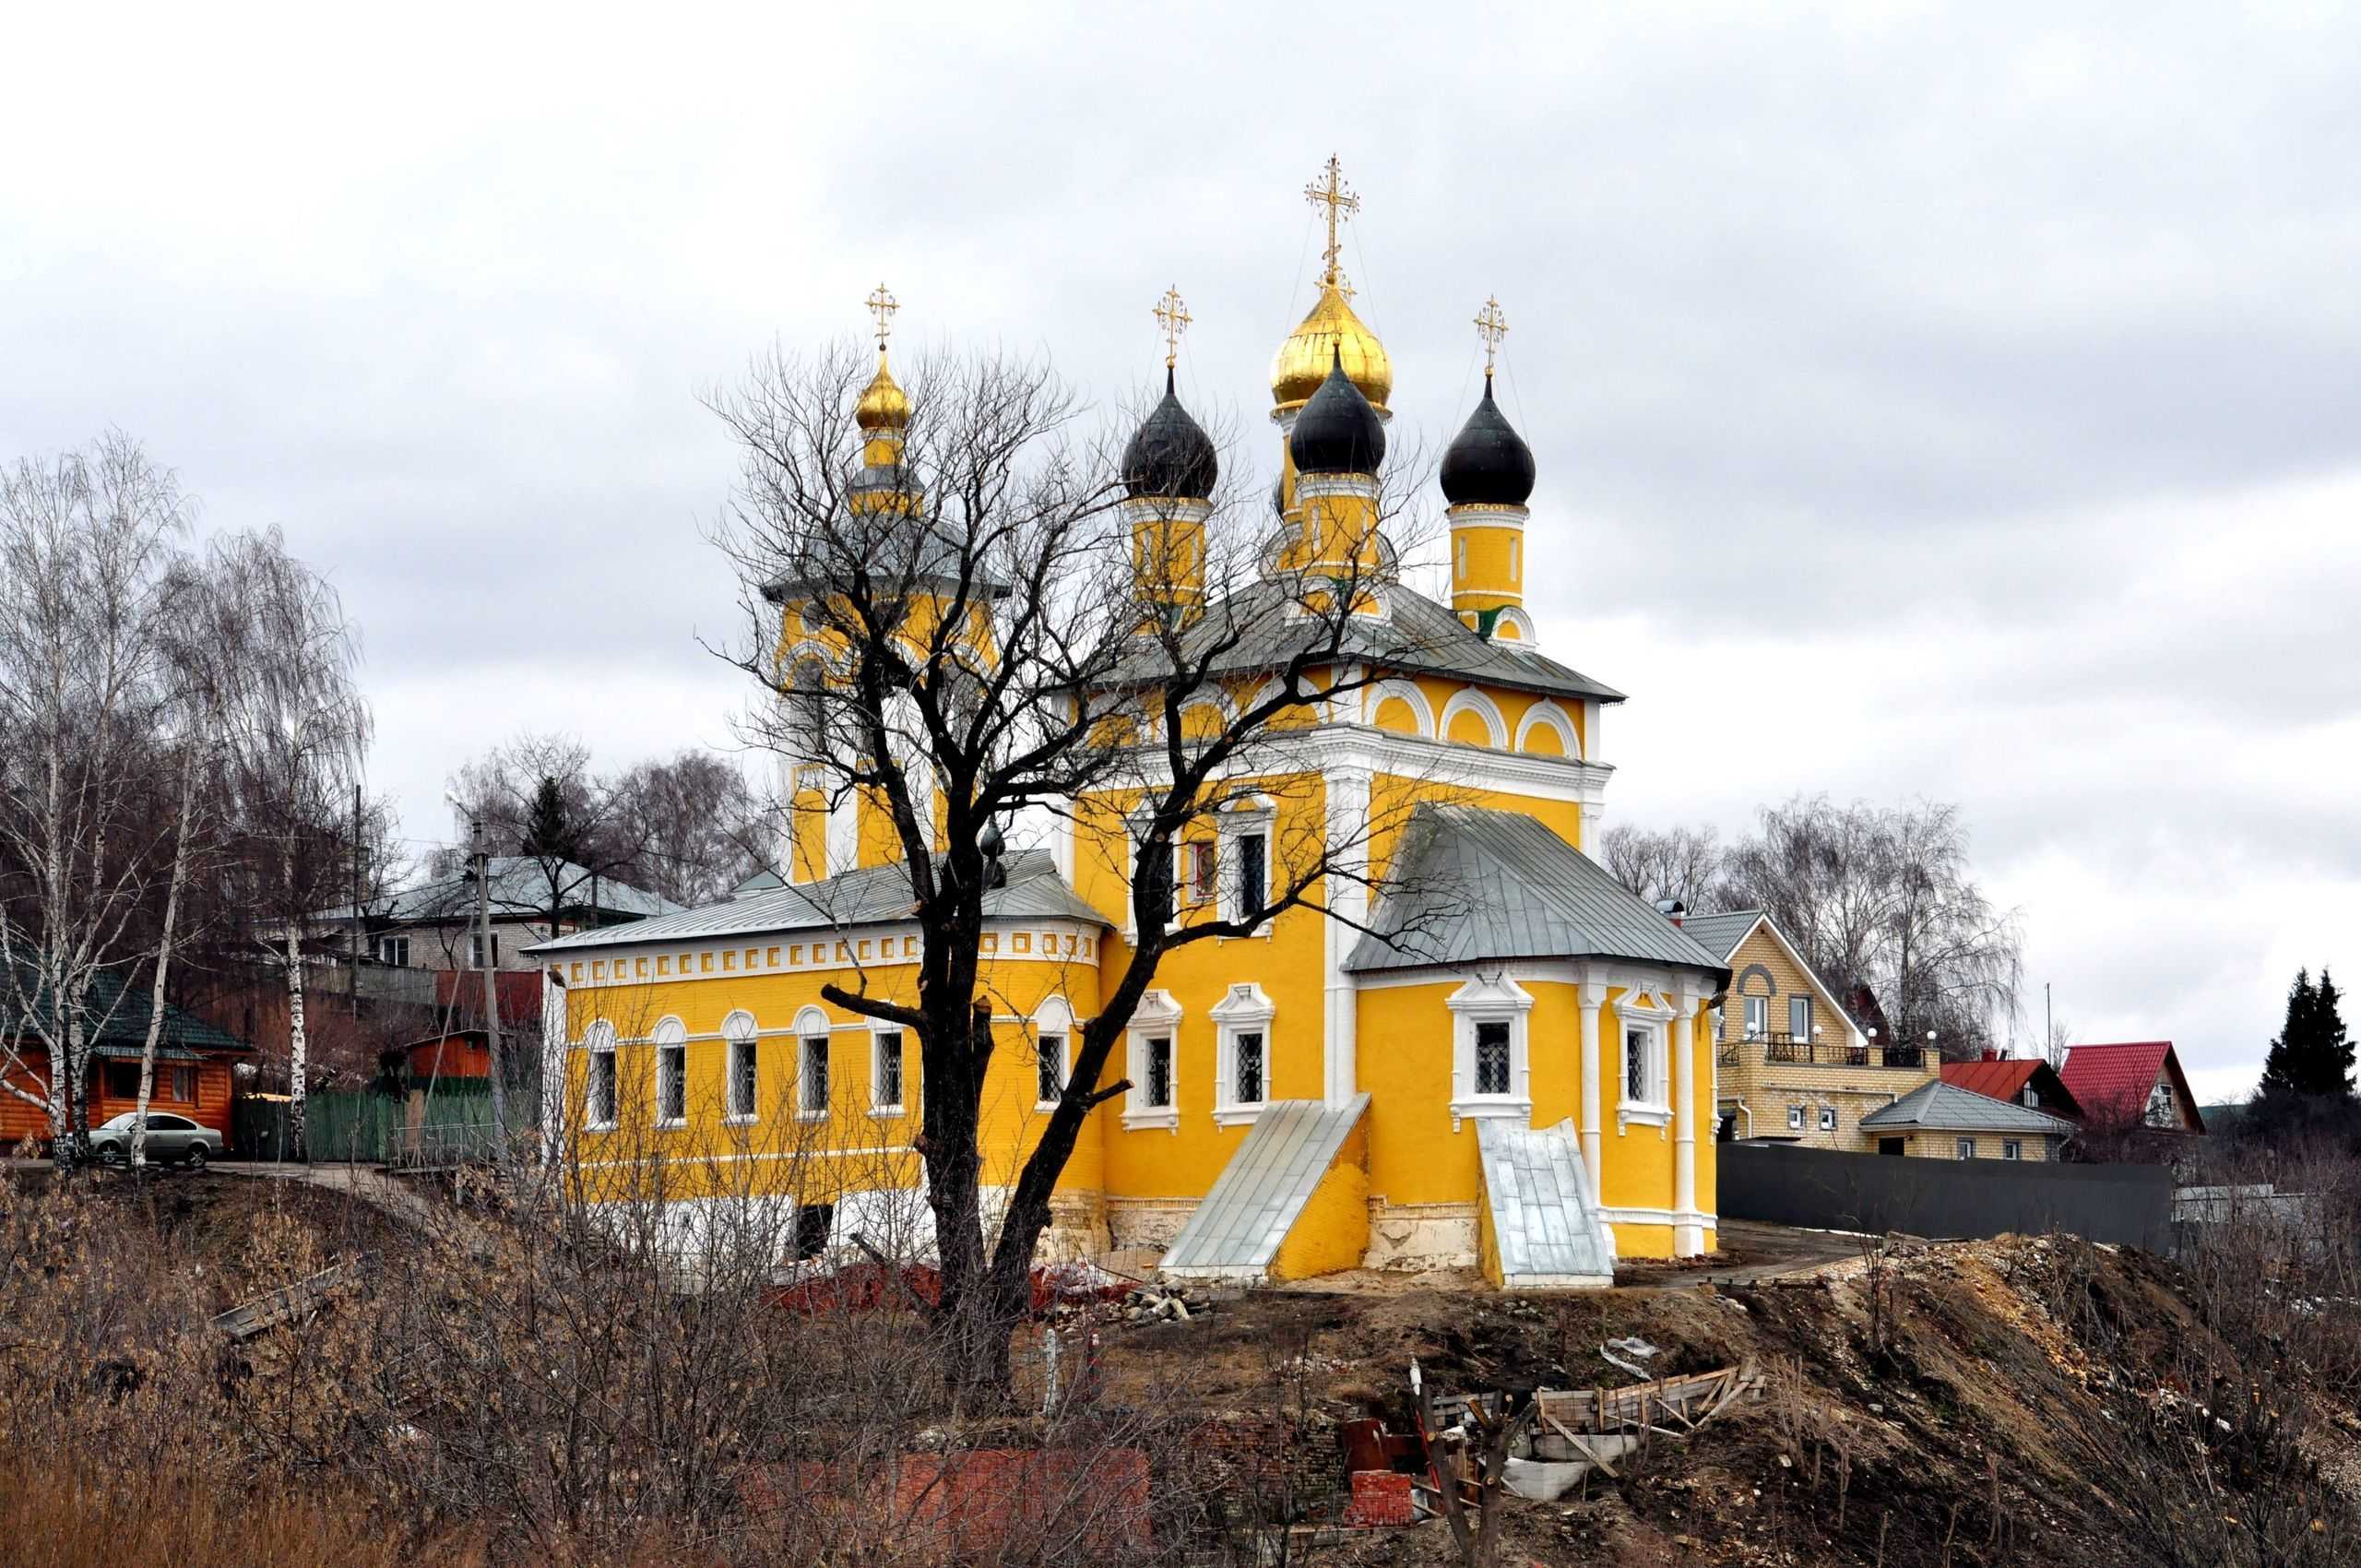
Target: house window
pixel 2162 1110
pixel 811 1082
pixel 1492 1057
pixel 1644 1064
pixel 1159 1090
pixel 1246 1087
pixel 1253 891
pixel 1757 1017
pixel 743 1076
pixel 1200 872
pixel 812 1223
pixel 121 1079
pixel 1050 1068
pixel 1795 1118
pixel 1243 1061
pixel 1828 1119
pixel 394 952
pixel 671 1083
pixel 598 1097
pixel 1967 1148
pixel 1800 1018
pixel 885 1074
pixel 185 1085
pixel 475 951
pixel 2011 1149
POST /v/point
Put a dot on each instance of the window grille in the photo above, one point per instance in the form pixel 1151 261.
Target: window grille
pixel 889 1067
pixel 1050 1068
pixel 600 1105
pixel 1492 1058
pixel 813 1081
pixel 1249 1065
pixel 671 1083
pixel 742 1076
pixel 1159 1070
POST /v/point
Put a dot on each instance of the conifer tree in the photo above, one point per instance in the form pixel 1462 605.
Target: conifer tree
pixel 2312 1055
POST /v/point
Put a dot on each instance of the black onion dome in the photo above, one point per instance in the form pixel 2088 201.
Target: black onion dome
pixel 1170 455
pixel 1337 432
pixel 1487 462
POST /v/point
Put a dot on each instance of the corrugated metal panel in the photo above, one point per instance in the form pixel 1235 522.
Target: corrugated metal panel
pixel 1949 1108
pixel 1544 1225
pixel 1417 634
pixel 1237 1229
pixel 1482 885
pixel 868 896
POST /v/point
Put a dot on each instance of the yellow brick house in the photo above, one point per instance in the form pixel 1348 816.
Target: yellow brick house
pixel 1507 1062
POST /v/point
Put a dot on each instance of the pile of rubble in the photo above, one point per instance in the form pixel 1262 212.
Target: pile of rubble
pixel 1165 1303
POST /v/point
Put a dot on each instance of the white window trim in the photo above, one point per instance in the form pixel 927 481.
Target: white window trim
pixel 1828 1119
pixel 1963 1148
pixel 1243 1010
pixel 1261 818
pixel 811 1024
pixel 1753 1030
pixel 1654 1016
pixel 1053 1017
pixel 878 1106
pixel 1494 999
pixel 736 1031
pixel 671 1034
pixel 1795 1118
pixel 1157 1017
pixel 2013 1148
pixel 599 1040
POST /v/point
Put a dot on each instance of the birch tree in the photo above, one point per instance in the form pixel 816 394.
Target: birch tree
pixel 86 540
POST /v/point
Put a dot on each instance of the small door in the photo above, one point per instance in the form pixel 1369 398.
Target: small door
pixel 1891 1146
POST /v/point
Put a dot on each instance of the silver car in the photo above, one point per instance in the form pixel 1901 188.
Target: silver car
pixel 171 1140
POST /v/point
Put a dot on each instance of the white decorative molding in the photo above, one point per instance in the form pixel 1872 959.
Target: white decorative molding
pixel 1490 999
pixel 1243 1009
pixel 1157 1015
pixel 1548 715
pixel 1411 697
pixel 1468 699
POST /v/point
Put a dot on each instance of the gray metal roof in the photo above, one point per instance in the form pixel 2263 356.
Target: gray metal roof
pixel 868 896
pixel 1417 634
pixel 1236 1230
pixel 1721 933
pixel 520 888
pixel 1478 884
pixel 1947 1108
pixel 1545 1225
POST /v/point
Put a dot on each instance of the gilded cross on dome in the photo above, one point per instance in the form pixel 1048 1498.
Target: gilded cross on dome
pixel 1331 191
pixel 882 305
pixel 1490 325
pixel 1172 320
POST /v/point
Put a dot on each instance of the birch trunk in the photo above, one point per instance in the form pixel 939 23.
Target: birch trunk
pixel 163 962
pixel 296 1049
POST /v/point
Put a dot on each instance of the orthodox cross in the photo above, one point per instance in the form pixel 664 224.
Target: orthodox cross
pixel 1172 320
pixel 1492 327
pixel 1331 191
pixel 882 305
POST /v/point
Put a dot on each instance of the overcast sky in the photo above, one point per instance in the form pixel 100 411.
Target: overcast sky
pixel 1956 402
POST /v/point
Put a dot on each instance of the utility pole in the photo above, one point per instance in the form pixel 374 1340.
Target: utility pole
pixel 480 864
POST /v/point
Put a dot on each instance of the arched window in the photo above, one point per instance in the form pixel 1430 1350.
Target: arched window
pixel 743 1069
pixel 671 1040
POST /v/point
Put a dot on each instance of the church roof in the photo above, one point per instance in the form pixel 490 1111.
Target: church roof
pixel 1478 886
pixel 871 896
pixel 1417 636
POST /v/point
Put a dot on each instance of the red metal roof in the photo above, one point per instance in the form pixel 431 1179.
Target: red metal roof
pixel 2002 1079
pixel 2113 1081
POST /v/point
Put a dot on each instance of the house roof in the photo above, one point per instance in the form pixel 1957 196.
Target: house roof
pixel 871 896
pixel 1417 635
pixel 1479 885
pixel 117 1023
pixel 1720 933
pixel 1946 1106
pixel 520 889
pixel 2112 1081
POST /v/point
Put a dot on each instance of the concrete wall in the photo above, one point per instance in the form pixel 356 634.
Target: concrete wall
pixel 2126 1203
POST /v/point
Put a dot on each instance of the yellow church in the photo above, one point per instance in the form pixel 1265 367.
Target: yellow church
pixel 1501 1059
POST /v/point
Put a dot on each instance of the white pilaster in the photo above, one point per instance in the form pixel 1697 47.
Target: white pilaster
pixel 1347 900
pixel 1688 1235
pixel 1592 997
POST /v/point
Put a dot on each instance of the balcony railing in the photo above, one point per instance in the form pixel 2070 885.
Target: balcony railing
pixel 1779 1046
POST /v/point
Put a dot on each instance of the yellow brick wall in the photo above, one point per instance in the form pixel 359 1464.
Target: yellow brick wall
pixel 1768 1090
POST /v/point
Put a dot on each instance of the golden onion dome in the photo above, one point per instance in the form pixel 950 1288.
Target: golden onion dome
pixel 1332 331
pixel 883 405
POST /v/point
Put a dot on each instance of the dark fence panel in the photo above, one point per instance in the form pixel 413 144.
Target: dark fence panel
pixel 2131 1205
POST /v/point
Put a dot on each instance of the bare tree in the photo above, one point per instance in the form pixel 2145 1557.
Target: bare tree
pixel 1884 896
pixel 698 827
pixel 1673 862
pixel 297 730
pixel 984 627
pixel 86 542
